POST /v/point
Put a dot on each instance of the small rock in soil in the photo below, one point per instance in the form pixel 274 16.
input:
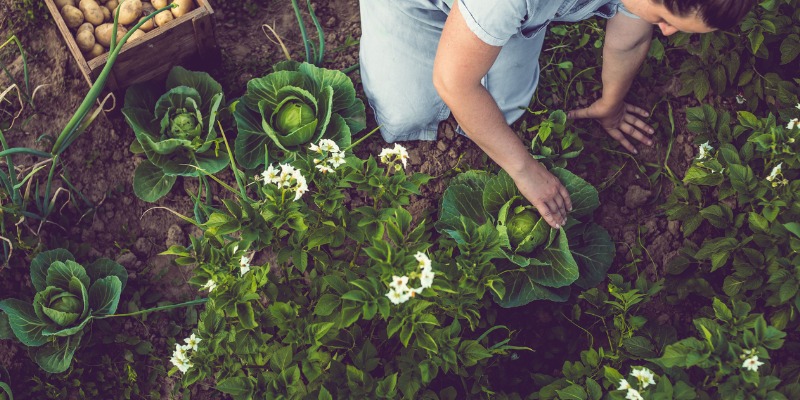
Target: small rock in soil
pixel 414 157
pixel 442 146
pixel 128 260
pixel 636 196
pixel 175 236
pixel 143 247
pixel 674 227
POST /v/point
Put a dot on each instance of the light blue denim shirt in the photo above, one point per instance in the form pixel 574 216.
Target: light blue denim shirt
pixel 495 22
pixel 399 42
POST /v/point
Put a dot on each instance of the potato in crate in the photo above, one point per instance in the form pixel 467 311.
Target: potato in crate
pixel 161 43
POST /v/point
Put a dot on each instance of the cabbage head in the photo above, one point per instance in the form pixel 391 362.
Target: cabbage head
pixel 296 105
pixel 176 128
pixel 537 262
pixel 68 296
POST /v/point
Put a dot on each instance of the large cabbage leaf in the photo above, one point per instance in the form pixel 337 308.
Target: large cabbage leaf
pixel 175 123
pixel 540 263
pixel 274 116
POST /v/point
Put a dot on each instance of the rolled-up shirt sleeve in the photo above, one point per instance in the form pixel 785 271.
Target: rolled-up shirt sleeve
pixel 493 22
pixel 621 8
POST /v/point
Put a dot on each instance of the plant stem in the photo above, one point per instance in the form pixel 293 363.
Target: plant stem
pixel 361 139
pixel 309 57
pixel 161 308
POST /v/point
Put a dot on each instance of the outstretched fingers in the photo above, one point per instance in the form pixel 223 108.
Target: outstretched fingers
pixel 550 214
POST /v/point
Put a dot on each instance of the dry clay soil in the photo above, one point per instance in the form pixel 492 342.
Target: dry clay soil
pixel 129 230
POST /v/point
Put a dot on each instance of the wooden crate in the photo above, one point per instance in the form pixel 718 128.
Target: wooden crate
pixel 152 55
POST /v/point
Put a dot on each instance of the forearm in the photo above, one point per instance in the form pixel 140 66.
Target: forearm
pixel 620 68
pixel 478 114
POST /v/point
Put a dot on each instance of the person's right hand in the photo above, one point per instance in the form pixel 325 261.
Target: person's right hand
pixel 545 192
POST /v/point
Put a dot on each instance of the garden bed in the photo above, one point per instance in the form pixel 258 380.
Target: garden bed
pixel 107 220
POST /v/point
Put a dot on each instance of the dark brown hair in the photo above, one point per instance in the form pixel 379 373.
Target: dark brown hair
pixel 719 14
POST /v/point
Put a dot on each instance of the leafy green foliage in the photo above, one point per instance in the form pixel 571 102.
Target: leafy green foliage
pixel 295 106
pixel 177 130
pixel 745 195
pixel 68 297
pixel 540 262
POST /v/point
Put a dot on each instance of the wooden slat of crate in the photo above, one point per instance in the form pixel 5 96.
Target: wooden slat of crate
pixel 152 55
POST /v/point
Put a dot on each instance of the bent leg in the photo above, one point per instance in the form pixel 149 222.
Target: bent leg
pixel 398 46
pixel 513 78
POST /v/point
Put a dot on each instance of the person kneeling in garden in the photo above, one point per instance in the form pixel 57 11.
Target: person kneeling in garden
pixel 422 59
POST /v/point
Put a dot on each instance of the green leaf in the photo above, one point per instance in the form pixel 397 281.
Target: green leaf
pixel 25 324
pixel 387 387
pixel 205 86
pixel 103 267
pixel 572 392
pixel 790 49
pixel 42 262
pixel 281 359
pixel 425 341
pixel 60 274
pixel 246 315
pixel 722 311
pixel 639 347
pixel 593 250
pixel 558 267
pixel 470 352
pixel 240 387
pixel 584 196
pixel 685 353
pixel 150 183
pixel 326 304
pixel 104 295
pixel 55 357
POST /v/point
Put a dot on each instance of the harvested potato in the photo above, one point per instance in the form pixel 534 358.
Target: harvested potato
pixel 183 7
pixel 159 3
pixel 85 40
pixel 106 14
pixel 96 51
pixel 136 35
pixel 148 26
pixel 163 17
pixel 91 12
pixel 61 3
pixel 111 5
pixel 103 33
pixel 86 26
pixel 73 17
pixel 129 12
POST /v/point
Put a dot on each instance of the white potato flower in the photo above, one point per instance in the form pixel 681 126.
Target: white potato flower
pixel 192 341
pixel 794 122
pixel 426 279
pixel 324 168
pixel 752 364
pixel 336 159
pixel 424 261
pixel 624 385
pixel 776 170
pixel 397 297
pixel 704 151
pixel 634 394
pixel 328 145
pixel 645 376
pixel 210 286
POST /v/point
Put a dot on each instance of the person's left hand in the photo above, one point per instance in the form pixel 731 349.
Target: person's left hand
pixel 618 119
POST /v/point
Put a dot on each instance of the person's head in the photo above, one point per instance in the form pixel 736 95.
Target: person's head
pixel 691 16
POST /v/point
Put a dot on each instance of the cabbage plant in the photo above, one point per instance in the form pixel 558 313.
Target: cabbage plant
pixel 538 262
pixel 297 105
pixel 176 128
pixel 68 296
